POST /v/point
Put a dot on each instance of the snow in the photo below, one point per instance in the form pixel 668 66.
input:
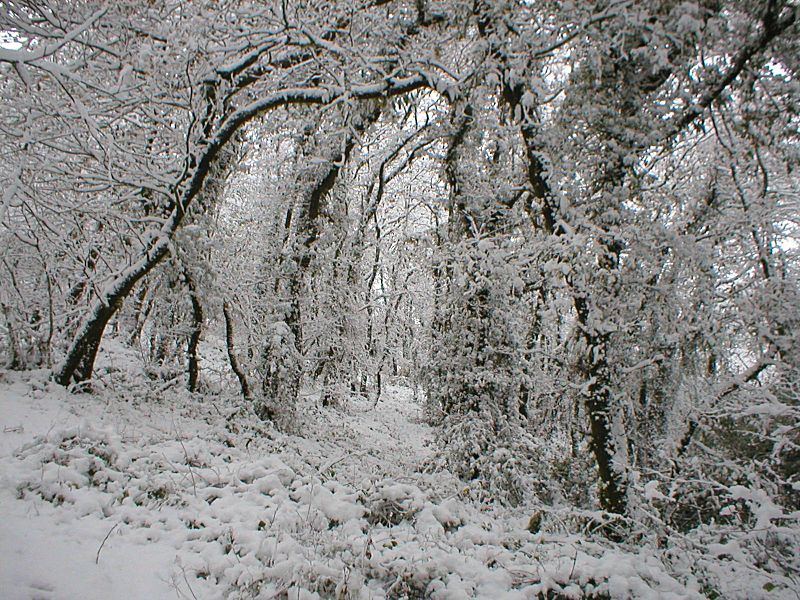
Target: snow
pixel 130 494
pixel 48 552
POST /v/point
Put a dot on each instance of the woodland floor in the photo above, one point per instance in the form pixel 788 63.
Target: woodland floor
pixel 136 491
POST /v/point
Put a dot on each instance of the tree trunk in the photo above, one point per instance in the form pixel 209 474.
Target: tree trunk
pixel 78 364
pixel 598 394
pixel 193 367
pixel 12 361
pixel 237 370
pixel 599 407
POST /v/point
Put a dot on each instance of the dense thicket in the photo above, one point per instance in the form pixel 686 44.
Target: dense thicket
pixel 571 226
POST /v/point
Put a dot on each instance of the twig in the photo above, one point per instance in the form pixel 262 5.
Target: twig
pixel 191 471
pixel 574 561
pixel 185 455
pixel 110 531
pixel 186 579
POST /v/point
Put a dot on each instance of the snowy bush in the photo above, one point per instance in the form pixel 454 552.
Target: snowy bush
pixel 499 460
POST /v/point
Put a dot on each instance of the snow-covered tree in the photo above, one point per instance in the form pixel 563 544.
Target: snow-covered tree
pixel 602 198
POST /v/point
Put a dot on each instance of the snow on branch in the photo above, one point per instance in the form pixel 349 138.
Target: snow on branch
pixel 773 26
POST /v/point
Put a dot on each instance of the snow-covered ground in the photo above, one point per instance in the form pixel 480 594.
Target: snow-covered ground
pixel 129 493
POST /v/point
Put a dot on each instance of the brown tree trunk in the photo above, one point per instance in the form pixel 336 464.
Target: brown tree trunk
pixel 12 361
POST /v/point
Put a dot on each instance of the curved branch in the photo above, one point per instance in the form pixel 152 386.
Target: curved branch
pixel 78 363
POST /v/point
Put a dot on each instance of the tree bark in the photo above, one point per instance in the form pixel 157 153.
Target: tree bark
pixel 193 366
pixel 79 362
pixel 237 370
pixel 599 400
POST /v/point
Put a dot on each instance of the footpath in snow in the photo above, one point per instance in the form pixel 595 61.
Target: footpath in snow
pixel 134 493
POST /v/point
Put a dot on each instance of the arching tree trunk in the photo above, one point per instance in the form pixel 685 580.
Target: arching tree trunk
pixel 78 363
